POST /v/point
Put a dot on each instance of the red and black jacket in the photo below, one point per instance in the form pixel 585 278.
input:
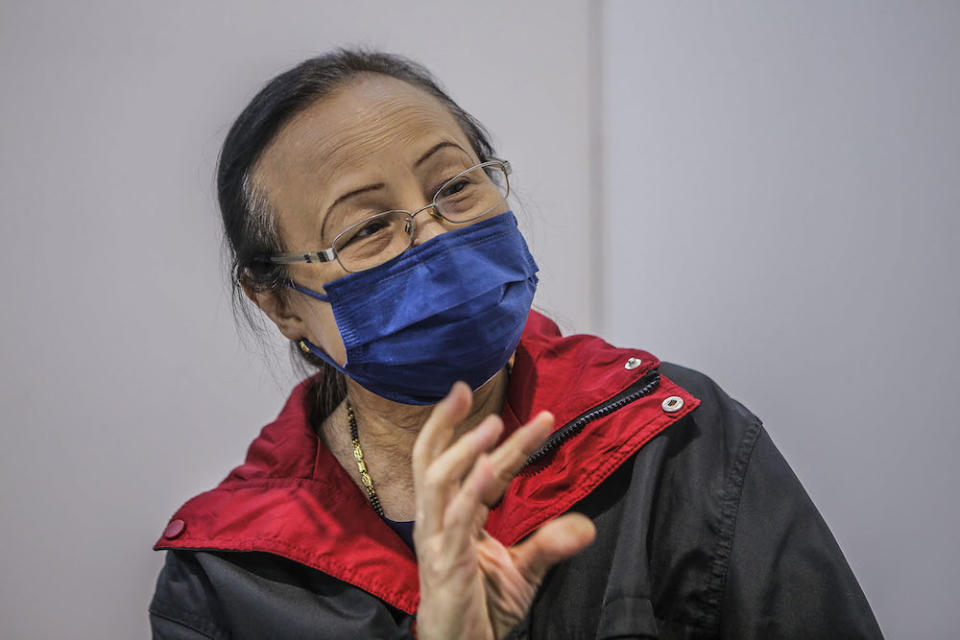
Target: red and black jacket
pixel 703 531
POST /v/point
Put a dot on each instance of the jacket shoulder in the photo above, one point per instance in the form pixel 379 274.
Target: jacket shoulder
pixel 184 604
pixel 709 392
pixel 719 416
pixel 253 595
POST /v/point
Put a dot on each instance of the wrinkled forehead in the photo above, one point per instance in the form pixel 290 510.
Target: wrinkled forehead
pixel 369 128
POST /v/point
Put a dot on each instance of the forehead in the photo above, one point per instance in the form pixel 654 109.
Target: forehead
pixel 366 129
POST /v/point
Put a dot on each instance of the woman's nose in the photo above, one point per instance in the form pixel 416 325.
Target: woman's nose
pixel 428 225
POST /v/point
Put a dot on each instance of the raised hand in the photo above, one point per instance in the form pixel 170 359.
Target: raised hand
pixel 471 586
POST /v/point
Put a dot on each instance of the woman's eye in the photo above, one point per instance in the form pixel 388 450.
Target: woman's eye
pixel 455 188
pixel 369 229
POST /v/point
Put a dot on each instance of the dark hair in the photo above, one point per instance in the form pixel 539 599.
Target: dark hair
pixel 248 221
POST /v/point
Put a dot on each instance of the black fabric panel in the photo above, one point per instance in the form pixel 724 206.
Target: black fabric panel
pixel 185 604
pixel 164 628
pixel 787 576
pixel 259 596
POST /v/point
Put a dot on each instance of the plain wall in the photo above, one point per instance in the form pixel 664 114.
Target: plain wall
pixel 782 184
pixel 124 388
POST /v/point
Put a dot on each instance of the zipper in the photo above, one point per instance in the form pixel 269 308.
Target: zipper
pixel 642 387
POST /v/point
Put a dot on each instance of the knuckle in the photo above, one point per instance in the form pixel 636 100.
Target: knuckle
pixel 435 477
pixel 436 565
pixel 504 474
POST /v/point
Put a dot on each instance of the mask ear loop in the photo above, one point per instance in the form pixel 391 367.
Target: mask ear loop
pixel 309 292
pixel 305 345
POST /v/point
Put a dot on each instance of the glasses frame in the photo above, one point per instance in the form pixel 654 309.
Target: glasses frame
pixel 330 253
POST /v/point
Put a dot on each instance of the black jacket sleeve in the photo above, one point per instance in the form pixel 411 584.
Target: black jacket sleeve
pixel 238 596
pixel 185 605
pixel 786 576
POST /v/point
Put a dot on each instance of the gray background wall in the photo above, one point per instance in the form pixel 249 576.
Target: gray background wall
pixel 769 204
pixel 782 186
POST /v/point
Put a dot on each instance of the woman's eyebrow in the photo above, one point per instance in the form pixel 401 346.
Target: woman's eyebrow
pixel 356 192
pixel 434 149
pixel 346 196
pixel 379 185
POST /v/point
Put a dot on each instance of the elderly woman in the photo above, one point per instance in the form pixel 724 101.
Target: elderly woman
pixel 456 468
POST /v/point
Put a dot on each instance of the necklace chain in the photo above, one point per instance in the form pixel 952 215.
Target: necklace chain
pixel 361 464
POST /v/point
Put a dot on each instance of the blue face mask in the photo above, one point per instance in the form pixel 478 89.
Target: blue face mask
pixel 452 308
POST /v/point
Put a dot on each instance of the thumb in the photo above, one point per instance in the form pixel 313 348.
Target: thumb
pixel 555 541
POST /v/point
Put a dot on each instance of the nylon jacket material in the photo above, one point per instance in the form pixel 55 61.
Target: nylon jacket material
pixel 703 531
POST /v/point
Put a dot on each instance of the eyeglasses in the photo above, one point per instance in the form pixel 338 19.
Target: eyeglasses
pixel 376 239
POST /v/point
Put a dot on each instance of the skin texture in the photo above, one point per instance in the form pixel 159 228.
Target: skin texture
pixel 439 465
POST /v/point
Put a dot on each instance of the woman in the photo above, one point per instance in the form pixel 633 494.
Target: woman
pixel 456 468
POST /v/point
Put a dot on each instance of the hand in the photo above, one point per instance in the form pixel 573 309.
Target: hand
pixel 471 586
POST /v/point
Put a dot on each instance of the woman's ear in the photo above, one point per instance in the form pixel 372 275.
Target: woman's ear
pixel 279 310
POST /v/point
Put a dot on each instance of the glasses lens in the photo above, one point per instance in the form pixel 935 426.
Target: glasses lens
pixel 473 194
pixel 374 240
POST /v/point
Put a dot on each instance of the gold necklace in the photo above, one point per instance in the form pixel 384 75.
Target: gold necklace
pixel 361 465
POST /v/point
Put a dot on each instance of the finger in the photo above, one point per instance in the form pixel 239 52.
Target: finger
pixel 466 509
pixel 555 541
pixel 439 427
pixel 442 478
pixel 510 456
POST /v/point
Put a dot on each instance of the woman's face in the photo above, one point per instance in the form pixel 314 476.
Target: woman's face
pixel 375 144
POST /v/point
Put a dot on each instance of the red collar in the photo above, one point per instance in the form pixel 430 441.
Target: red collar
pixel 293 499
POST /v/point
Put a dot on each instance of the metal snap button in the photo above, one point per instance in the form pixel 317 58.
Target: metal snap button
pixel 633 363
pixel 174 529
pixel 671 404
